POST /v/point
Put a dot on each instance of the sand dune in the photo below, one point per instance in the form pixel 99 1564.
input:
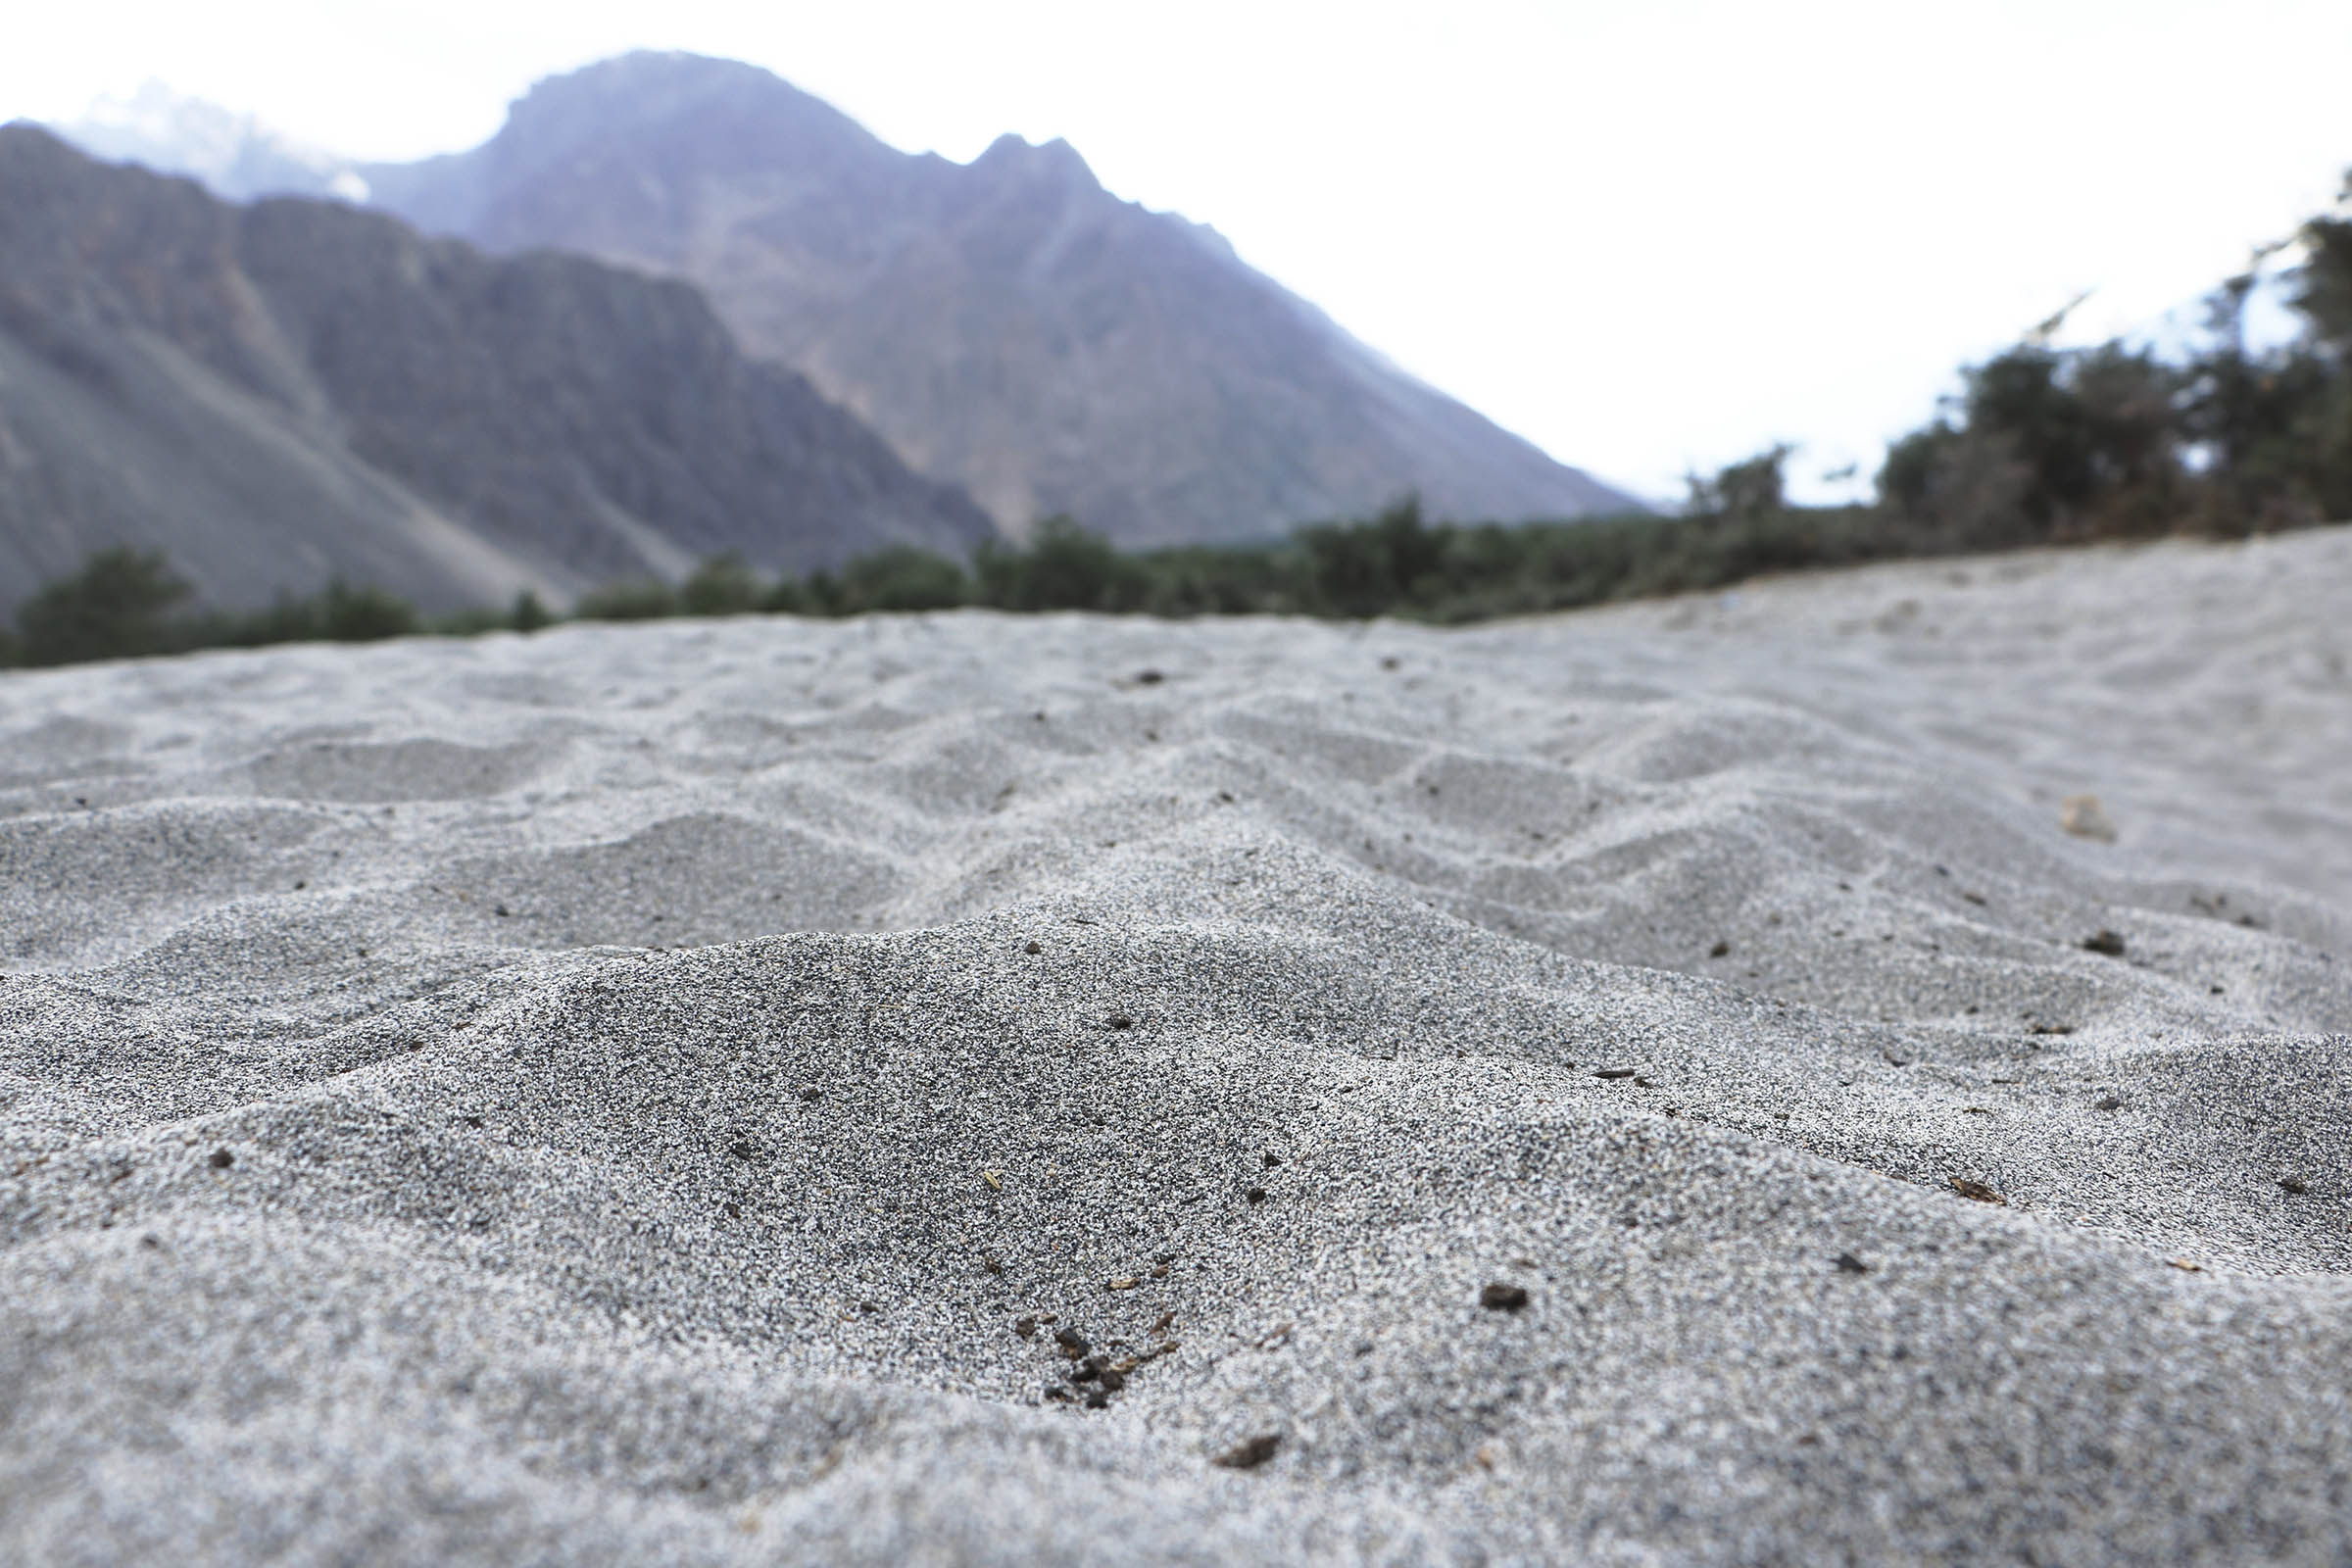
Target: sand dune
pixel 658 1093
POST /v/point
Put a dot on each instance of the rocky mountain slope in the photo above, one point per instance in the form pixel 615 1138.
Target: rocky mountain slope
pixel 1008 325
pixel 281 393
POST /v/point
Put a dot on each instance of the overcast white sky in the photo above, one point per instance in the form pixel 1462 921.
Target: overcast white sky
pixel 1647 236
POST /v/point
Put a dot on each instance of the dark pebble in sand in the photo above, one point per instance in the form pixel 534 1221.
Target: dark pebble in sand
pixel 743 1148
pixel 734 1210
pixel 1720 950
pixel 812 1096
pixel 500 911
pixel 1118 1021
pixel 2108 1102
pixel 222 1159
pixel 2104 942
pixel 1976 1191
pixel 2295 1185
pixel 1500 1297
pixel 1614 1072
pixel 1096 1399
pixel 1271 1161
pixel 1025 1327
pixel 1035 947
pixel 1113 1380
pixel 1250 1454
pixel 1848 1263
pixel 1256 1194
pixel 1148 677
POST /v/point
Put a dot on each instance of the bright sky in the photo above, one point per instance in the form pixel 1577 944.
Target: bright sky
pixel 1646 235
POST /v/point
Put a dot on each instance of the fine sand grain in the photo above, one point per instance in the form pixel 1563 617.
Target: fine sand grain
pixel 1651 1086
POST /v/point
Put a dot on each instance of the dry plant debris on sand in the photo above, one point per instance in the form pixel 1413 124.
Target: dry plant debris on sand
pixel 1677 1084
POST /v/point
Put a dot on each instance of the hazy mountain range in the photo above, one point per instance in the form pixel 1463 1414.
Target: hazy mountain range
pixel 1006 325
pixel 279 393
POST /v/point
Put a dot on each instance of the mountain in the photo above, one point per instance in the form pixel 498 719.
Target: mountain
pixel 281 393
pixel 234 155
pixel 1008 325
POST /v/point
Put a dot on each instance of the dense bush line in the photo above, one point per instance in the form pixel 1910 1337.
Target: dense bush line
pixel 2041 446
pixel 124 603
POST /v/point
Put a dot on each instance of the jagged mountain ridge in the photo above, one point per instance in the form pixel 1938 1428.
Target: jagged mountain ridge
pixel 1008 325
pixel 295 390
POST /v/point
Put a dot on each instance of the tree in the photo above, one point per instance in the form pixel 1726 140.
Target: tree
pixel 1755 488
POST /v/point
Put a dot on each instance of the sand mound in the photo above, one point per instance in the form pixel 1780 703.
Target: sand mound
pixel 1653 1085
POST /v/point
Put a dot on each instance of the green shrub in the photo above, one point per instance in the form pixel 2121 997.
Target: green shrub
pixel 1062 566
pixel 899 578
pixel 630 599
pixel 723 585
pixel 790 596
pixel 1366 568
pixel 113 607
pixel 1265 578
pixel 349 614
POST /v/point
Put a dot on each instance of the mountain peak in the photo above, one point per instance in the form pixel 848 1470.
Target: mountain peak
pixel 1016 155
pixel 634 93
pixel 655 81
